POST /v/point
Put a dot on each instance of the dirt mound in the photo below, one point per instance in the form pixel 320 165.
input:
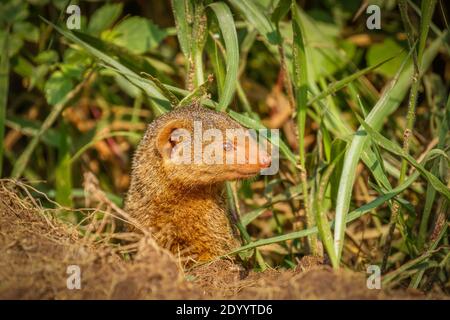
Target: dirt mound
pixel 36 250
pixel 224 279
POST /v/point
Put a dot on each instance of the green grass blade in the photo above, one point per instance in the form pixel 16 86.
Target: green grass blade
pixel 199 37
pixel 368 157
pixel 252 215
pixel 92 47
pixel 411 114
pixel 80 193
pixel 280 11
pixel 418 277
pixel 63 172
pixel 258 19
pixel 181 10
pixel 228 30
pixel 396 149
pixel 427 12
pixel 355 214
pixel 4 87
pixel 24 158
pixel 431 192
pixel 31 128
pixel 388 103
pixel 373 159
pixel 431 249
pixel 196 94
pixel 337 147
pixel 175 90
pixel 320 214
pixel 290 193
pixel 433 26
pixel 300 72
pixel 427 9
pixel 92 142
pixel 104 17
pixel 257 125
pixel 216 54
pixel 336 86
pixel 166 92
pixel 392 275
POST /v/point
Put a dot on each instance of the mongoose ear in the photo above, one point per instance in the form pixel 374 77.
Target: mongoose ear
pixel 169 136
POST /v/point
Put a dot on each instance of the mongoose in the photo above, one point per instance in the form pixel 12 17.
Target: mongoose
pixel 183 204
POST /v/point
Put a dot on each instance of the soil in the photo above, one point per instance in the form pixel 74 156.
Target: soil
pixel 36 249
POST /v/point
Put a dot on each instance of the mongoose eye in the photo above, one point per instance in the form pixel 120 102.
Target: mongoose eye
pixel 228 146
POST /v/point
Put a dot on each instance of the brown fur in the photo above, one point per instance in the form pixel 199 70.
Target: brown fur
pixel 183 205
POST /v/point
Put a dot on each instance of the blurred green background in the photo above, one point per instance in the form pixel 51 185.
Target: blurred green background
pixel 77 102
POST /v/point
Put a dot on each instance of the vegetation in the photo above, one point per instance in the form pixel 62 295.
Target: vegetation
pixel 364 116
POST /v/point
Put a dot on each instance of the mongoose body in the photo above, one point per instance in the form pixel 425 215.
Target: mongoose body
pixel 183 204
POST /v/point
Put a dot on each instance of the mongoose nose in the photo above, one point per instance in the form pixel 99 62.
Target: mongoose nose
pixel 265 161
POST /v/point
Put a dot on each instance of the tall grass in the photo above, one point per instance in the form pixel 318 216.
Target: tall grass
pixel 427 12
pixel 347 167
pixel 4 87
pixel 387 104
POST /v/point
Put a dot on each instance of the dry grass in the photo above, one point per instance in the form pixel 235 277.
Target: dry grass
pixel 36 248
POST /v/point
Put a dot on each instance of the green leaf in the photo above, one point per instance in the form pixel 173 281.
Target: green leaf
pixel 199 37
pixel 320 212
pixel 427 9
pixel 336 86
pixel 4 88
pixel 444 127
pixel 198 93
pixel 63 172
pixel 323 59
pixel 166 92
pixel 181 10
pixel 104 17
pixel 22 67
pixel 256 124
pixel 379 52
pixel 249 217
pixel 337 147
pixel 24 158
pixel 355 214
pixel 13 11
pixel 396 149
pixel 300 77
pixel 228 29
pixel 128 59
pixel 31 127
pixel 138 35
pixel 373 159
pixel 73 71
pixel 216 57
pixel 101 137
pixel 26 31
pixel 281 10
pixel 60 4
pixel 258 19
pixel 388 102
pixel 300 72
pixel 15 43
pixel 46 57
pixel 57 87
pixel 94 46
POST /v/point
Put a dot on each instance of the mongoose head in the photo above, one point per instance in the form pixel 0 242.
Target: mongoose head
pixel 198 146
